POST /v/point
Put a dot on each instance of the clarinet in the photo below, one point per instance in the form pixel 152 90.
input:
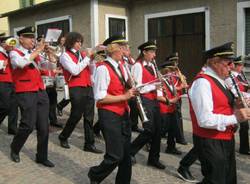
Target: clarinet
pixel 141 109
pixel 239 93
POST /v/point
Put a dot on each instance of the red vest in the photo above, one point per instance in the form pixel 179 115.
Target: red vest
pixel 221 106
pixel 5 75
pixel 48 73
pixel 115 88
pixel 240 84
pixel 28 78
pixel 147 77
pixel 81 80
pixel 167 108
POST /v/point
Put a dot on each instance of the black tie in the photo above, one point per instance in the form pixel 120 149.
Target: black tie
pixel 150 69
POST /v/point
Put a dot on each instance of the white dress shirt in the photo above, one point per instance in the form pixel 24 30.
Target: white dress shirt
pixel 18 61
pixel 200 95
pixel 102 79
pixel 72 67
pixel 2 50
pixel 136 72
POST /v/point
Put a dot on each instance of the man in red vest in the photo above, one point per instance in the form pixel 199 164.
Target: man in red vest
pixel 76 72
pixel 239 77
pixel 214 118
pixel 111 96
pixel 8 104
pixel 31 96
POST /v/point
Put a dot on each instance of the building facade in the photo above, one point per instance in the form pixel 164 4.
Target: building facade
pixel 186 27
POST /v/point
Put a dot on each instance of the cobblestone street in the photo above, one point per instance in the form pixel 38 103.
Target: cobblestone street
pixel 72 165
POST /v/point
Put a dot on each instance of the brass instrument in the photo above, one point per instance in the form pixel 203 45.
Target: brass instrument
pixel 163 81
pixel 12 42
pixel 141 109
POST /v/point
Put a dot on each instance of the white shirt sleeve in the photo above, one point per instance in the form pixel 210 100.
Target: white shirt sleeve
pixel 18 61
pixel 1 64
pixel 201 99
pixel 101 82
pixel 136 72
pixel 71 66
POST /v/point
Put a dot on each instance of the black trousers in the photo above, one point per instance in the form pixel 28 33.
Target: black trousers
pixel 117 135
pixel 63 103
pixel 8 105
pixel 82 104
pixel 189 158
pixel 169 122
pixel 151 133
pixel 244 138
pixel 52 94
pixel 217 158
pixel 134 113
pixel 34 108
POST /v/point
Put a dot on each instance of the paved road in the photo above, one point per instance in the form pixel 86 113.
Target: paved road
pixel 72 165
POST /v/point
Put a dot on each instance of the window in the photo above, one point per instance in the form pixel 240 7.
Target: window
pixel 63 23
pixel 116 24
pixel 247 31
pixel 26 3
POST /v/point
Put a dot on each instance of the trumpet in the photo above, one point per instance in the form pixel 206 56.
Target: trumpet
pixel 12 42
pixel 163 81
pixel 141 109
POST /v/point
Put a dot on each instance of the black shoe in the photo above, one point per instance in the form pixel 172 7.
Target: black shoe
pixel 244 153
pixel 185 175
pixel 92 149
pixel 12 132
pixel 157 165
pixel 183 142
pixel 91 181
pixel 59 111
pixel 46 163
pixel 173 151
pixel 64 143
pixel 14 157
pixel 56 124
pixel 133 160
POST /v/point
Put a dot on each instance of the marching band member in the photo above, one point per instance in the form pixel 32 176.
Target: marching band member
pixel 49 70
pixel 213 118
pixel 167 101
pixel 180 85
pixel 31 96
pixel 111 96
pixel 236 72
pixel 61 49
pixel 77 74
pixel 8 104
pixel 144 71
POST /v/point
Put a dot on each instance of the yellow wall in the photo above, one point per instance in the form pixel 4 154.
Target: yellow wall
pixel 108 8
pixel 7 6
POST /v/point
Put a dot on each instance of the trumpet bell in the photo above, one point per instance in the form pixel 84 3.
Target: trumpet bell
pixel 11 42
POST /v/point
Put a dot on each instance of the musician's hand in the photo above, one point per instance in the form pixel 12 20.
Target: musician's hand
pixel 89 52
pixel 5 63
pixel 242 114
pixel 174 100
pixel 130 94
pixel 159 86
pixel 238 103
